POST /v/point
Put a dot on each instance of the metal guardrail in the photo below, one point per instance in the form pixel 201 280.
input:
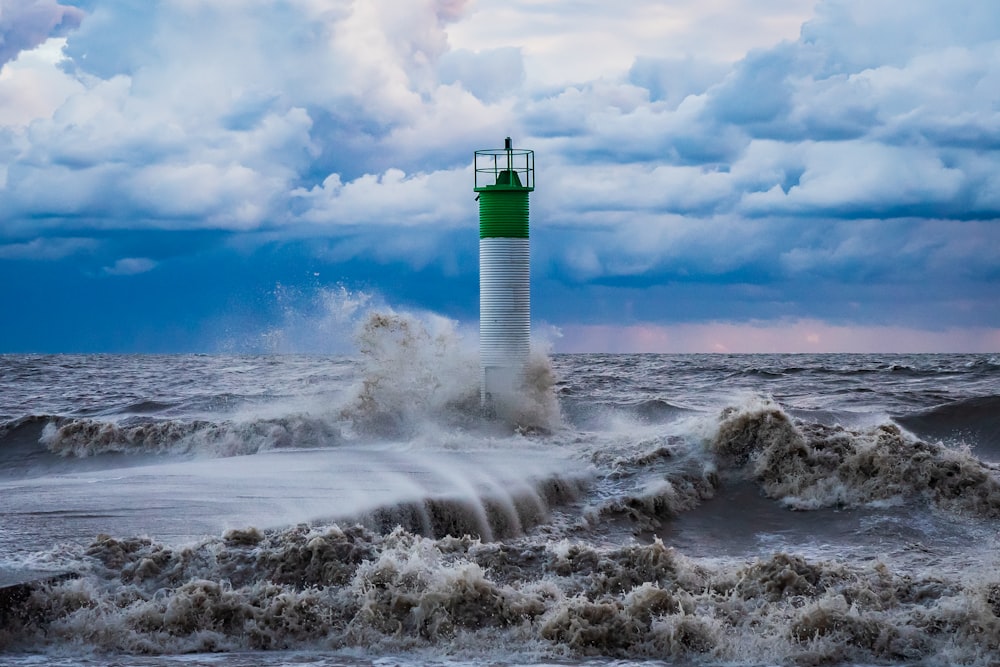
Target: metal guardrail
pixel 505 167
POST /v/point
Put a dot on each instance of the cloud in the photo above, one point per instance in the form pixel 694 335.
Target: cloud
pixel 130 266
pixel 24 24
pixel 211 116
pixel 567 43
pixel 867 179
pixel 696 160
pixel 46 249
pixel 672 80
pixel 489 75
pixel 391 199
pixel 219 103
pixel 33 87
pixel 859 37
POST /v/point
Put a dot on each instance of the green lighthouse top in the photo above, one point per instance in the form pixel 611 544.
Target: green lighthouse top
pixel 505 168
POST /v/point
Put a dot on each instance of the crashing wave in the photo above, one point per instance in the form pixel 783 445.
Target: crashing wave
pixel 339 588
pixel 418 371
pixel 808 466
pixel 655 482
pixel 87 437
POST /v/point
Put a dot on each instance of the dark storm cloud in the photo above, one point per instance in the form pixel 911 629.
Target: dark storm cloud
pixel 808 178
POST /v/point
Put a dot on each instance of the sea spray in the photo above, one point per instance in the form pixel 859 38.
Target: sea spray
pixel 419 375
pixel 412 370
pixel 420 370
pixel 320 321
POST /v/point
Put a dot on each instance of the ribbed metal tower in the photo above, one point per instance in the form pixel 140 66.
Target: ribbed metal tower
pixel 504 177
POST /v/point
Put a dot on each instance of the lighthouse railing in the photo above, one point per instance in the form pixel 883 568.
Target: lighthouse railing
pixel 491 163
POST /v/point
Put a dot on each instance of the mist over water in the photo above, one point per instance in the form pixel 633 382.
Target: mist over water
pixel 343 510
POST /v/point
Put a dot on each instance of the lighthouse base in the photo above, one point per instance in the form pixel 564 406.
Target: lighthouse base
pixel 499 386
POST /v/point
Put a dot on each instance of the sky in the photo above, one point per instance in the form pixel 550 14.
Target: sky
pixel 712 175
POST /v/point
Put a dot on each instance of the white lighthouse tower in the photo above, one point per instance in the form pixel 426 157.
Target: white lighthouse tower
pixel 504 177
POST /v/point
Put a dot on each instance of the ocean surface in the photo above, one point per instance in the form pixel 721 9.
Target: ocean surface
pixel 627 509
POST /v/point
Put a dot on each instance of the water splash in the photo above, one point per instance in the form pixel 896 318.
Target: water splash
pixel 419 377
pixel 321 323
pixel 420 368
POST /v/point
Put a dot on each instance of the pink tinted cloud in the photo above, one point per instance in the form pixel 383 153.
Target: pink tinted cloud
pixel 24 24
pixel 790 336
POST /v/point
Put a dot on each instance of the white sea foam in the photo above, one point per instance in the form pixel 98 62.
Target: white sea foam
pixel 335 588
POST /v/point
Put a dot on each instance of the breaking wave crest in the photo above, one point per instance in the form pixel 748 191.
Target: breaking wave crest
pixel 809 465
pixel 333 588
pixel 501 514
pixel 86 437
pixel 657 480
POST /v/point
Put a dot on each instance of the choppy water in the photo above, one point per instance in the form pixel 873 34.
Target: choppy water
pixel 695 509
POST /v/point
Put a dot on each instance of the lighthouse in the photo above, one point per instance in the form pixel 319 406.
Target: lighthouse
pixel 503 179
